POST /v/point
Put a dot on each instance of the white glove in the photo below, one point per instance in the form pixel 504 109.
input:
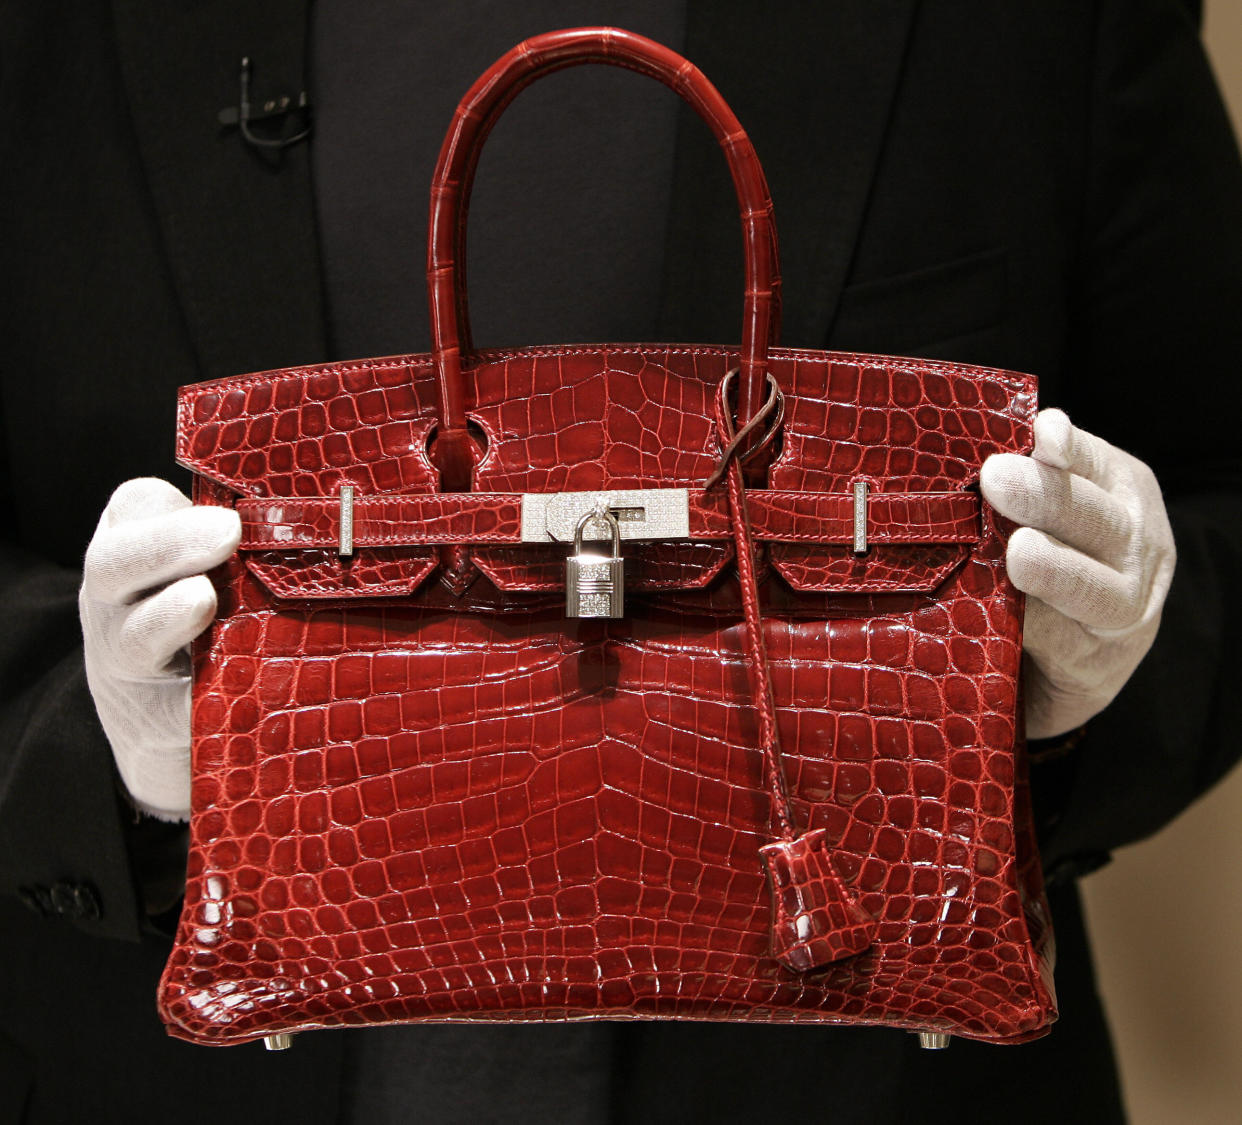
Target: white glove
pixel 1095 557
pixel 144 597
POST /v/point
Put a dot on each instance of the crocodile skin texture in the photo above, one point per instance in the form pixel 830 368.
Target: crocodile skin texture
pixel 390 534
pixel 807 892
pixel 479 110
pixel 421 793
pixel 419 804
pixel 783 517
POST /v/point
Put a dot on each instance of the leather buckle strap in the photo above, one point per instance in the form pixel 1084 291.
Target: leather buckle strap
pixel 505 519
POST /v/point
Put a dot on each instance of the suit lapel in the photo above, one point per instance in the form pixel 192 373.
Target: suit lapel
pixel 238 227
pixel 814 92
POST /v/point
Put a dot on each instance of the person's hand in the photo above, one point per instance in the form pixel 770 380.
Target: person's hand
pixel 144 597
pixel 1094 556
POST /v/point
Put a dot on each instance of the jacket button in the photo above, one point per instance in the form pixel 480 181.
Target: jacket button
pixel 1072 867
pixel 37 898
pixel 76 900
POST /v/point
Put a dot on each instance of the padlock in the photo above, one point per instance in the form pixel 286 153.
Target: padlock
pixel 595 583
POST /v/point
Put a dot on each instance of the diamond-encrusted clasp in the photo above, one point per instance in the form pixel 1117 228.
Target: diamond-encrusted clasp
pixel 640 513
pixel 595 583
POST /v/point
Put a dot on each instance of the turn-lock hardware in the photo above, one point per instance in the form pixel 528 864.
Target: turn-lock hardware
pixel 644 514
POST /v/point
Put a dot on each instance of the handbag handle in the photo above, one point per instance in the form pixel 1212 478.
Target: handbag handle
pixel 478 112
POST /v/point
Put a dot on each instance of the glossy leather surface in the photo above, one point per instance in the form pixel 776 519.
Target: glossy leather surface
pixel 421 793
pixel 466 517
pixel 454 174
pixel 445 806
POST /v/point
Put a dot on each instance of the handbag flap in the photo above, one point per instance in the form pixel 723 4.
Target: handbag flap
pixel 630 417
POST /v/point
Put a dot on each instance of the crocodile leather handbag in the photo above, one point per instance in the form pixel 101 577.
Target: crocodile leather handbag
pixel 637 681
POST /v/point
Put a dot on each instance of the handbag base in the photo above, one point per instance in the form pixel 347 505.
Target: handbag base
pixel 928 1040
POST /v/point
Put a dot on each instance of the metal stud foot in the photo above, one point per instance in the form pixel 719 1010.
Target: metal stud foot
pixel 280 1042
pixel 934 1040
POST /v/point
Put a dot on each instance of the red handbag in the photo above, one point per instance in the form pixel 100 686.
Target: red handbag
pixel 637 681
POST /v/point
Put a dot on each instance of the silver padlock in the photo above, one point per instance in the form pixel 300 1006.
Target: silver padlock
pixel 595 583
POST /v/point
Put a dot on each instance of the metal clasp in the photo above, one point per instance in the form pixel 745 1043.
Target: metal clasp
pixel 640 514
pixel 345 528
pixel 860 517
pixel 595 583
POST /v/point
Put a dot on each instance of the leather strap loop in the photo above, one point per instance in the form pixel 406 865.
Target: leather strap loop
pixel 770 415
pixel 477 114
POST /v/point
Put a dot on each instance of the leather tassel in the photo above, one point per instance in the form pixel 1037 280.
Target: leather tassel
pixel 814 919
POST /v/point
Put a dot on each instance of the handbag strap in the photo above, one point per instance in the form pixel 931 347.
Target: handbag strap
pixel 815 919
pixel 438 519
pixel 479 111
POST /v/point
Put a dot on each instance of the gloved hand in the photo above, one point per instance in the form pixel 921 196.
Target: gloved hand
pixel 1095 557
pixel 144 597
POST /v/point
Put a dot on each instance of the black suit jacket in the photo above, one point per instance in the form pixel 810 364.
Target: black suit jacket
pixel 1047 186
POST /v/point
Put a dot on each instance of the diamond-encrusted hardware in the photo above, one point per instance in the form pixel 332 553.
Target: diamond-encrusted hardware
pixel 933 1040
pixel 345 540
pixel 595 583
pixel 860 517
pixel 641 514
